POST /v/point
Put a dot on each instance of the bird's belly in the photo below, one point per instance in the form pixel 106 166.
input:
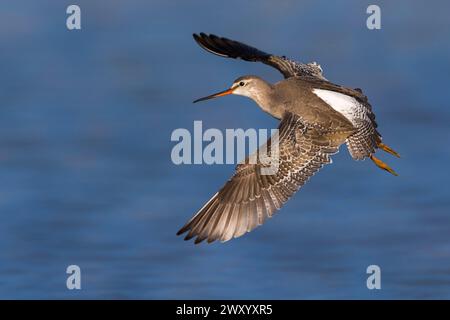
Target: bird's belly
pixel 348 106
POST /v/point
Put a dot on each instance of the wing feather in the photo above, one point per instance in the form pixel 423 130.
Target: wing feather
pixel 249 198
pixel 233 49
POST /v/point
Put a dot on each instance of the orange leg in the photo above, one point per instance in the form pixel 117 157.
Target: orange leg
pixel 384 147
pixel 382 165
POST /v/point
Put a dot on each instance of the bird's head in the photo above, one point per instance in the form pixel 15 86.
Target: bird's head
pixel 247 86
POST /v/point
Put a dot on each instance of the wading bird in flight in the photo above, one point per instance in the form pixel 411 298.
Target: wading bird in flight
pixel 316 117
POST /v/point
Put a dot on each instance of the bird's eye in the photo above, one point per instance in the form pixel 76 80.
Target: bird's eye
pixel 241 83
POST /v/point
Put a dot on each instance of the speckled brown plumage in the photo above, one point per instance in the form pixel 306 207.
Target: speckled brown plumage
pixel 316 116
pixel 249 198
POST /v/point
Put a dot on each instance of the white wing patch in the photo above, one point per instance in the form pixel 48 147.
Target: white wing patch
pixel 348 106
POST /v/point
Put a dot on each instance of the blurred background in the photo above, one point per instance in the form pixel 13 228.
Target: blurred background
pixel 87 179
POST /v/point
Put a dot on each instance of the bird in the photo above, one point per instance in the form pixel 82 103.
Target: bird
pixel 316 118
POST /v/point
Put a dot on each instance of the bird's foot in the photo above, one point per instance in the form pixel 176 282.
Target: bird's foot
pixel 388 149
pixel 382 165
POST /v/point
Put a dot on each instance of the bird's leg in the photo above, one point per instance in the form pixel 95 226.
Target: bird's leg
pixel 382 165
pixel 384 147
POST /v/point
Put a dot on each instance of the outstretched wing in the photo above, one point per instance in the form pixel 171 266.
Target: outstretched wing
pixel 249 197
pixel 233 49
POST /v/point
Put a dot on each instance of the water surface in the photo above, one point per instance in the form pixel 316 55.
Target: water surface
pixel 85 169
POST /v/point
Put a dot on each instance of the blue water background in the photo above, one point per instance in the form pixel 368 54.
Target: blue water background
pixel 86 176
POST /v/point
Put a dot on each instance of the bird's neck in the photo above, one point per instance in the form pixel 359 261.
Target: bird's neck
pixel 267 100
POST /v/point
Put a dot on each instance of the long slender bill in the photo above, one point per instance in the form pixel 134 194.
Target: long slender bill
pixel 215 95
